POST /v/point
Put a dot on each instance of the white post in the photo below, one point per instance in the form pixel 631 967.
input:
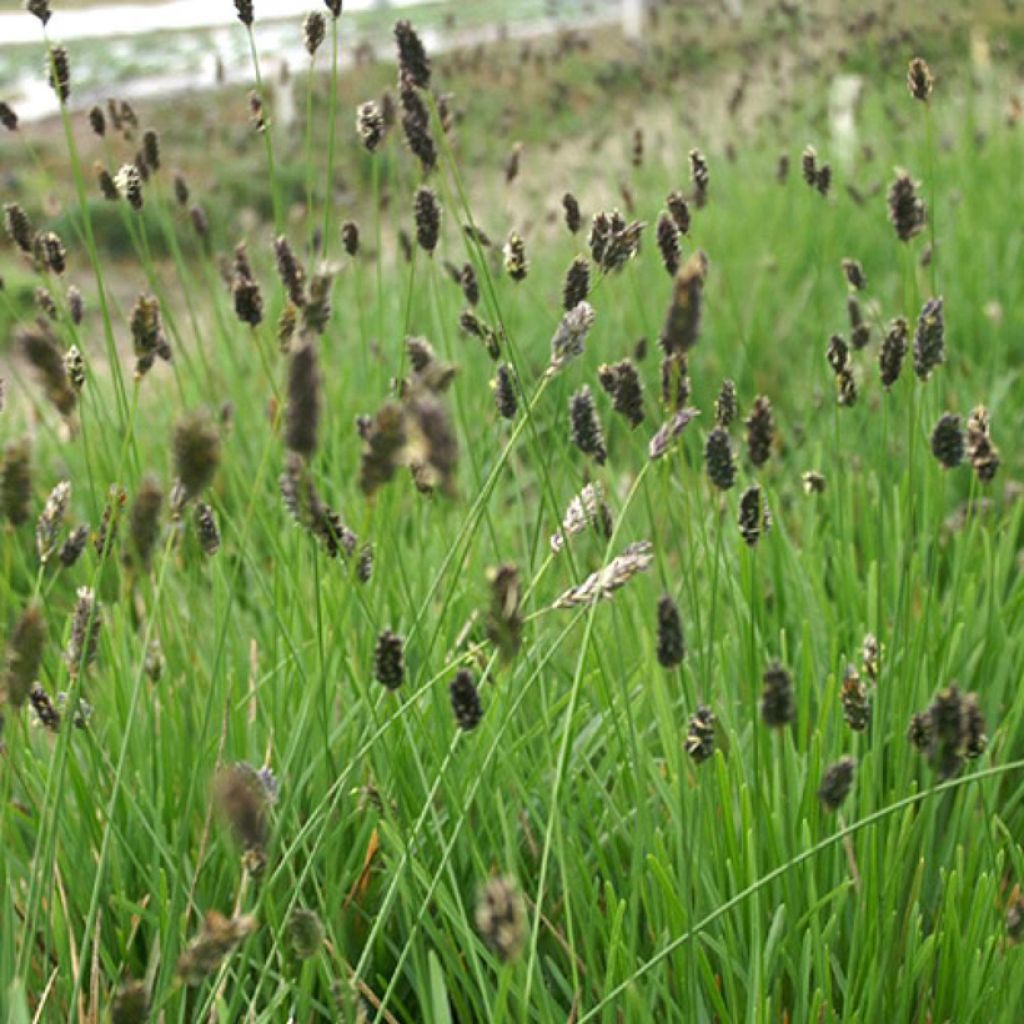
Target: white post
pixel 634 17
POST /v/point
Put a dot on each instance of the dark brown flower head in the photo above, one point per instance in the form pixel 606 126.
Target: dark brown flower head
pixel 973 735
pixel 46 713
pixel 428 218
pixel 504 618
pixel 569 340
pixel 854 274
pixel 836 783
pixel 405 245
pixel 24 657
pixel 110 520
pixel 302 416
pixel 778 708
pixel 19 227
pixel 669 432
pixel 477 328
pixel 370 126
pixel 465 700
pixel 906 209
pixel 726 405
pixel 668 243
pixel 244 9
pixel 206 529
pixel 364 565
pixel 616 240
pixel 573 217
pixel 501 918
pixel 513 162
pixel 76 308
pixel 823 179
pixel 929 339
pixel 682 321
pixel 760 431
pixel 51 520
pixel 700 175
pixel 412 57
pixel 505 392
pixel 585 426
pixel 8 118
pixel 893 351
pixel 679 210
pixel 468 282
pixel 98 121
pixel 754 517
pixel 290 270
pixel 947 441
pixel 577 283
pixel 248 300
pixel 671 648
pixel 200 222
pixel 147 333
pixel 719 460
pixel 516 263
pixel 107 185
pixel 181 191
pixel 389 660
pixel 334 6
pixel 243 802
pixel 196 453
pixel 42 351
pixel 587 510
pixel 384 441
pixel 622 383
pixel 860 332
pixel 85 632
pixel 700 735
pixel 151 148
pixel 782 169
pixel 128 183
pixel 287 323
pixel 433 447
pixel 219 935
pixel 144 520
pixel 350 237
pixel 981 449
pixel 257 117
pixel 856 705
pixel 838 354
pixel 919 80
pixel 46 303
pixel 40 8
pixel 809 166
pixel 50 252
pixel 846 387
pixel 72 548
pixel 416 124
pixel 130 1004
pixel 919 733
pixel 314 30
pixel 316 314
pixel 58 67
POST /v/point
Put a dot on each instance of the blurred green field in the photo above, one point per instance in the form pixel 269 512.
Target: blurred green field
pixel 654 885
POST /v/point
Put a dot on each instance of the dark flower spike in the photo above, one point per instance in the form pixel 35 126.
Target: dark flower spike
pixel 778 708
pixel 389 660
pixel 465 700
pixel 671 648
pixel 836 783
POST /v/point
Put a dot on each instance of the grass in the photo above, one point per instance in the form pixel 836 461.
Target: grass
pixel 653 886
